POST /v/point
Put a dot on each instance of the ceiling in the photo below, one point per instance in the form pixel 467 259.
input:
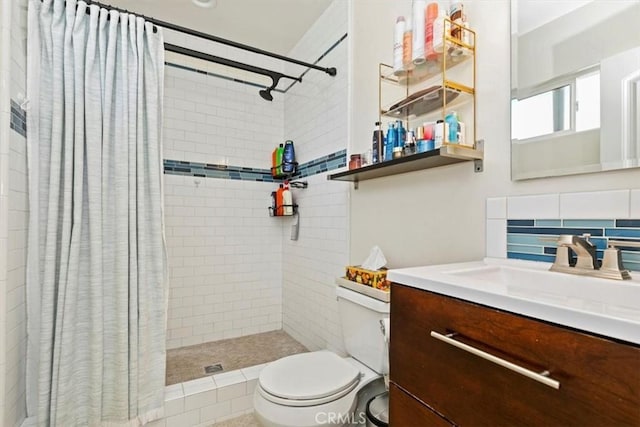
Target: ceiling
pixel 534 13
pixel 273 25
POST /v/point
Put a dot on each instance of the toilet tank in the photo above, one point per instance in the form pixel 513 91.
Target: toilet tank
pixel 360 318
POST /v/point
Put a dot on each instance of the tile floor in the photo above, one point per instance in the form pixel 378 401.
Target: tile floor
pixel 188 363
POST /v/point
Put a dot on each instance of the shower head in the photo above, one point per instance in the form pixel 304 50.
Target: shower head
pixel 266 94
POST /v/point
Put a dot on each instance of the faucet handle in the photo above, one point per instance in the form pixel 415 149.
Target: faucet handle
pixel 612 266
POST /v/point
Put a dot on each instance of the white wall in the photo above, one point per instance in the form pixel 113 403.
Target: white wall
pixel 13 219
pixel 316 120
pixel 437 215
pixel 224 250
pixel 577 40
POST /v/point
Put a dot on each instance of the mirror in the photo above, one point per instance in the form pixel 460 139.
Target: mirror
pixel 575 87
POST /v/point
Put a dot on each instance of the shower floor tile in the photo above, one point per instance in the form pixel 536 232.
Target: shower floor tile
pixel 188 363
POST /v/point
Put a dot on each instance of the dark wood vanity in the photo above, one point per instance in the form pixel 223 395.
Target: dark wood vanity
pixel 435 383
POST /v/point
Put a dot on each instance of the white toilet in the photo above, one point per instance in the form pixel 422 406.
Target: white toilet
pixel 320 388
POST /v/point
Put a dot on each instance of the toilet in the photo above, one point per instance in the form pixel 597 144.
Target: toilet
pixel 320 388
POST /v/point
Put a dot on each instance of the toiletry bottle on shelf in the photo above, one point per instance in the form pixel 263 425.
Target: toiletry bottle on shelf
pixel 398 66
pixel 390 142
pixel 274 162
pixel 407 47
pixel 441 129
pixel 401 134
pixel 431 15
pixel 440 30
pixel 288 158
pixel 287 200
pixel 452 121
pixel 279 200
pixel 274 204
pixel 377 144
pixel 457 16
pixel 279 154
pixel 418 31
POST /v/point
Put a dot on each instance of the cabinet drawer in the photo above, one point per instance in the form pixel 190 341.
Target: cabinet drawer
pixel 599 379
pixel 405 410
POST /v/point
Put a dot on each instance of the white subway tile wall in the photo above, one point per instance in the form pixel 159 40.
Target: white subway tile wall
pixel 205 401
pixel 316 120
pixel 213 120
pixel 224 250
pixel 224 260
pixel 536 206
pixel 595 204
pixel 16 233
pixel 497 208
pixel 496 238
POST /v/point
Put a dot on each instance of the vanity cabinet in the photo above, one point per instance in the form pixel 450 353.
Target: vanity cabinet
pixel 598 378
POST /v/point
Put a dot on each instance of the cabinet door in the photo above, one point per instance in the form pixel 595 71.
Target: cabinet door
pixel 406 411
pixel 599 379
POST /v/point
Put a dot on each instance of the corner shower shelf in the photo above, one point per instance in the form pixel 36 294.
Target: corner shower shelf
pixel 446 155
pixel 272 210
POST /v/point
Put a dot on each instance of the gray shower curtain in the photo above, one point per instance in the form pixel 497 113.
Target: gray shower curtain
pixel 96 279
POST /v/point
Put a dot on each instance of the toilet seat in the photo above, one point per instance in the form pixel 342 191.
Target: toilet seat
pixel 308 379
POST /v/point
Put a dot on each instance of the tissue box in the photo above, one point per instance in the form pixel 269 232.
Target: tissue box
pixel 376 279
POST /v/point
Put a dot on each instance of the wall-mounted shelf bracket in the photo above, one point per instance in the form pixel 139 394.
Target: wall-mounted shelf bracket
pixel 478 164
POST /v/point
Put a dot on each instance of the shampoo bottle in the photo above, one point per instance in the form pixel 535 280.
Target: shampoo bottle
pixel 288 158
pixel 452 121
pixel 390 142
pixel 377 144
pixel 401 134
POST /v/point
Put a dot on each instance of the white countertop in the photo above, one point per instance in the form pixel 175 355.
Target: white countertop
pixel 601 306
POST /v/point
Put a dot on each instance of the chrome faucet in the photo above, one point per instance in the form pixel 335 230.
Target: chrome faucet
pixel 587 263
pixel 585 252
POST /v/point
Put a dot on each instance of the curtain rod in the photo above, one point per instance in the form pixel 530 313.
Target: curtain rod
pixel 265 93
pixel 330 70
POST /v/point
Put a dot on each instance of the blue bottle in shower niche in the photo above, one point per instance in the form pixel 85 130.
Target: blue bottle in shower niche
pixel 289 158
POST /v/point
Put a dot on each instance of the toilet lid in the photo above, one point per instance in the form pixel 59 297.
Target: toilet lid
pixel 308 376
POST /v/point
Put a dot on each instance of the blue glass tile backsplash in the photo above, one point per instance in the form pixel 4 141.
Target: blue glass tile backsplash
pixel 205 170
pixel 532 239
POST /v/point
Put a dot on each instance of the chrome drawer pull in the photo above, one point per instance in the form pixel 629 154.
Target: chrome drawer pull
pixel 540 377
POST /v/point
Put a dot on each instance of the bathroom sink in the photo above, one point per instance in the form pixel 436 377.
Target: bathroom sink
pixel 601 306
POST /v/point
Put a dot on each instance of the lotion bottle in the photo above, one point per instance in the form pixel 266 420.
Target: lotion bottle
pixel 287 200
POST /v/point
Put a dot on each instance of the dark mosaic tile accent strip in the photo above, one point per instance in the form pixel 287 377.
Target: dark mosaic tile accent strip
pixel 322 164
pixel 18 119
pixel 527 238
pixel 207 170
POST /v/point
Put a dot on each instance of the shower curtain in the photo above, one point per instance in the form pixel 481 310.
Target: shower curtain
pixel 96 279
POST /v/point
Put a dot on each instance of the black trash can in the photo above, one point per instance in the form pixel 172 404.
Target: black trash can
pixel 378 410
